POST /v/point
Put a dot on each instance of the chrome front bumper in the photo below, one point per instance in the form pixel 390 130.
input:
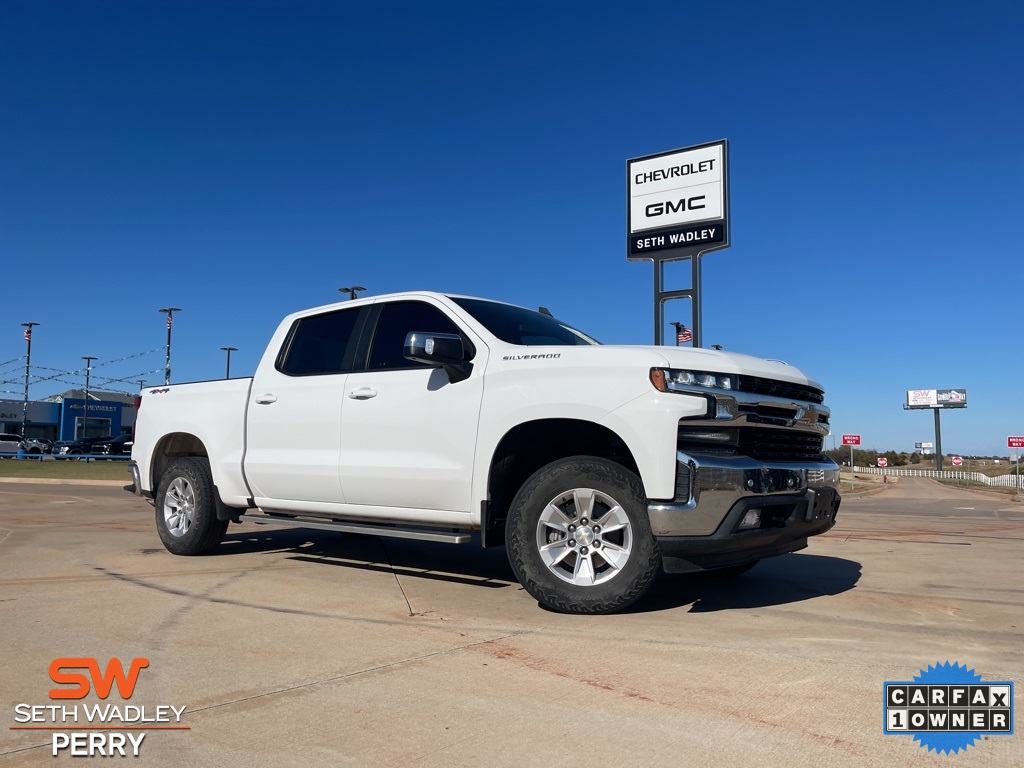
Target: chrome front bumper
pixel 709 487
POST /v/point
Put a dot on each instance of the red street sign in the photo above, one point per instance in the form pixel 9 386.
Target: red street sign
pixel 882 462
pixel 855 440
pixel 957 461
pixel 1015 442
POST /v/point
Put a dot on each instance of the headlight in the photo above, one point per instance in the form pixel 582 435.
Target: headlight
pixel 677 380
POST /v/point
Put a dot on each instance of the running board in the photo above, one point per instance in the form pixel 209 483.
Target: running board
pixel 370 530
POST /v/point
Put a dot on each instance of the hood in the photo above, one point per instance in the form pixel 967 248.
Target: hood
pixel 720 361
pixel 622 356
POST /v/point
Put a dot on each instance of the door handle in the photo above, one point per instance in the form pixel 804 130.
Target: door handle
pixel 363 394
pixel 266 399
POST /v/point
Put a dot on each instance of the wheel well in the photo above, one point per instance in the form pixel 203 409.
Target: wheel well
pixel 530 446
pixel 171 447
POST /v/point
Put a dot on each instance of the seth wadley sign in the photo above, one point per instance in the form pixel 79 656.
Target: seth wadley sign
pixel 936 398
pixel 676 200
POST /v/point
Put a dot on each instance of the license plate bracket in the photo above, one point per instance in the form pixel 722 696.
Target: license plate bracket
pixel 821 503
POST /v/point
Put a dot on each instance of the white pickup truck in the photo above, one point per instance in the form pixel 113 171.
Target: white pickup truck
pixel 436 417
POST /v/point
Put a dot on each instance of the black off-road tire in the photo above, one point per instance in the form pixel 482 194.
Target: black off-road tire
pixel 554 522
pixel 186 512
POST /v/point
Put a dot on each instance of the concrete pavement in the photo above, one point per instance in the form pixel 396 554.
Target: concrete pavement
pixel 290 647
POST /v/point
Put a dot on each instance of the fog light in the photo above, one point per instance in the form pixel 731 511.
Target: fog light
pixel 751 520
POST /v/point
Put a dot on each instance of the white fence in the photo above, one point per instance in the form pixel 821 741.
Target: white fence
pixel 1003 481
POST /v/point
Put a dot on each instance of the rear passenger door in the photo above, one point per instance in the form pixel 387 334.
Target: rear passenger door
pixel 294 420
pixel 408 435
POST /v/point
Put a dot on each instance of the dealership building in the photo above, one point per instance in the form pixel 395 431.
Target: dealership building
pixel 63 417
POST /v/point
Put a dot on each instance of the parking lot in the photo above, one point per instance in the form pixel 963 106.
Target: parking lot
pixel 294 647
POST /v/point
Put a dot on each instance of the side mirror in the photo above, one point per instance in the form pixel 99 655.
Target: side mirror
pixel 439 349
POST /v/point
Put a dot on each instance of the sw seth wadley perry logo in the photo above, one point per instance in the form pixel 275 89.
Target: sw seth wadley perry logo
pixel 96 729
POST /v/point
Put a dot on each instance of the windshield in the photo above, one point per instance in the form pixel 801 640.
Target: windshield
pixel 524 327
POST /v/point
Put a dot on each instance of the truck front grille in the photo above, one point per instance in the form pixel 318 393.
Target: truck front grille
pixel 761 386
pixel 780 444
pixel 761 443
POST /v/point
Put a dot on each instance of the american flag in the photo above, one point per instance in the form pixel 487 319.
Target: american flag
pixel 28 334
pixel 684 335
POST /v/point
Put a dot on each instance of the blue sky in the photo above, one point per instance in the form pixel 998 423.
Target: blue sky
pixel 244 160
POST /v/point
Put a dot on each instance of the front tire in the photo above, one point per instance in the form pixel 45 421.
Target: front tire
pixel 579 539
pixel 186 511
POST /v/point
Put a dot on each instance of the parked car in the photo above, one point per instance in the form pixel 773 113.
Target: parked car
pixel 9 444
pixel 114 446
pixel 98 447
pixel 34 446
pixel 66 449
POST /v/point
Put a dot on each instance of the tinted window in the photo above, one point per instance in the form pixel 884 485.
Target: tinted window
pixel 396 321
pixel 516 325
pixel 320 344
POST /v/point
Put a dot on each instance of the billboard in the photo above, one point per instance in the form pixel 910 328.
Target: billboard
pixel 936 398
pixel 678 200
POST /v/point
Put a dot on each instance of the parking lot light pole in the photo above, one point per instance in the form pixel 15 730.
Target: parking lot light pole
pixel 169 311
pixel 85 418
pixel 229 350
pixel 352 291
pixel 28 363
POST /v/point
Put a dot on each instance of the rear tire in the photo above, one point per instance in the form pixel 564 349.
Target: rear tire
pixel 186 510
pixel 579 539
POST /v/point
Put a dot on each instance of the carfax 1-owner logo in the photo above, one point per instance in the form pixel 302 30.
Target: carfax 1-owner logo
pixel 948 707
pixel 108 728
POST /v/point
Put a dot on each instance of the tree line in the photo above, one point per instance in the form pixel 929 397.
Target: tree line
pixel 866 458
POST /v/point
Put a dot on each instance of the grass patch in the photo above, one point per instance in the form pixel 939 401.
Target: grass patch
pixel 66 470
pixel 971 485
pixel 863 483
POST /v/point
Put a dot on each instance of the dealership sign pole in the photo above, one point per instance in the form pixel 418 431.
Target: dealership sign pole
pixel 678 208
pixel 936 399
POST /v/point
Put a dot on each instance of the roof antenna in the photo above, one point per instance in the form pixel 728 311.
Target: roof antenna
pixel 545 311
